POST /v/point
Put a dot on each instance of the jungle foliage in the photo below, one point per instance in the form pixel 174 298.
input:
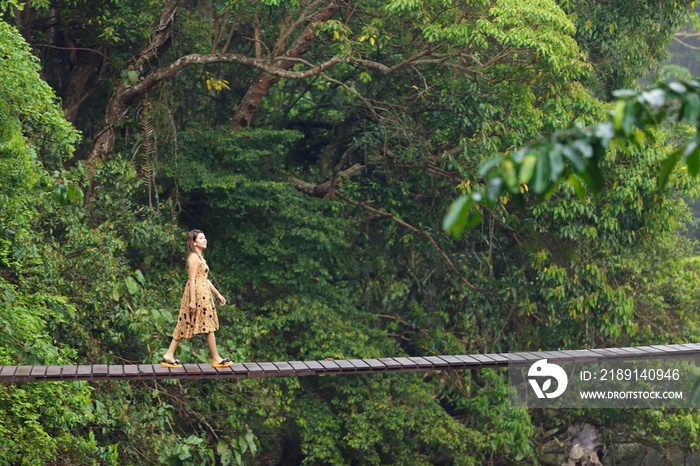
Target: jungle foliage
pixel 319 145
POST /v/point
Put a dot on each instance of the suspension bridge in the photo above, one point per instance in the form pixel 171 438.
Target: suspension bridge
pixel 97 372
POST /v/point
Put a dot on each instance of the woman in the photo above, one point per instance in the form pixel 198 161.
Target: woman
pixel 197 310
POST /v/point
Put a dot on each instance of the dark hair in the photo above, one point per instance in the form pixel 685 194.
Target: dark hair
pixel 191 238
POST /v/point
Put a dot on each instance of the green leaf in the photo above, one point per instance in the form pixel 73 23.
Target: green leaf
pixel 463 214
pixel 578 163
pixel 488 165
pixel 132 76
pixel 667 167
pixel 455 220
pixel 575 181
pixel 630 118
pixel 542 171
pixel 624 93
pixel 253 447
pixel 692 157
pixel 556 163
pixel 225 453
pixel 73 192
pixel 527 168
pixel 654 97
pixel 131 286
pixel 618 114
pixel 593 178
pixel 495 188
pixel 691 108
pixel 677 87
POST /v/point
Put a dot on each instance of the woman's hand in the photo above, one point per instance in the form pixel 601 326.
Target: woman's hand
pixel 193 305
pixel 222 300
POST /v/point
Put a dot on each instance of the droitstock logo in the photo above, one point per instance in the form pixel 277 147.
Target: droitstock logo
pixel 544 371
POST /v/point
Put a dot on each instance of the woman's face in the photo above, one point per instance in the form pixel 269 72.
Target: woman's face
pixel 201 241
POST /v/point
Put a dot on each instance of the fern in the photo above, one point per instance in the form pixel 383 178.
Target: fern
pixel 146 153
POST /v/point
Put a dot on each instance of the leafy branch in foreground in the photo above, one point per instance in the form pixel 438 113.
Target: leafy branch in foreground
pixel 575 154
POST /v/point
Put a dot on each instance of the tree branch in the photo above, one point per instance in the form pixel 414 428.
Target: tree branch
pixel 416 230
pixel 327 188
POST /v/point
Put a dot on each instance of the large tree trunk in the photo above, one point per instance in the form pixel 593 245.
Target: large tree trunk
pixel 264 81
pixel 78 87
pixel 128 90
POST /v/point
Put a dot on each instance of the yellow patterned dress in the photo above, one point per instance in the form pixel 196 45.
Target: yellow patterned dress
pixel 204 318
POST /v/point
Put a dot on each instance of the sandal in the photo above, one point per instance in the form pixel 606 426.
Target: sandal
pixel 175 363
pixel 223 363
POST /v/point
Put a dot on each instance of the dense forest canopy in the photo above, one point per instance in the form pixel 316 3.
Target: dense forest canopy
pixel 319 144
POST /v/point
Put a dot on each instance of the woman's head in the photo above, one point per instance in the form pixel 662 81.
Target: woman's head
pixel 193 237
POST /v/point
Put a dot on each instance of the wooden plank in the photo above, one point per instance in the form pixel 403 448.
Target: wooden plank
pixel 38 371
pixel 301 369
pixel 131 371
pixel 546 355
pixel 678 349
pixel 359 364
pixel 665 351
pixel 269 369
pixel 407 364
pixel 585 355
pixel 191 369
pixel 115 370
pixel 329 366
pixel 557 356
pixel 375 364
pixel 207 371
pixel 253 369
pixel 651 352
pixel 694 347
pixel 68 372
pixel 468 361
pixel 390 363
pixel 6 372
pixel 604 353
pixel 160 372
pixel 23 371
pixel 633 351
pixel 53 371
pixel 502 361
pixel 513 358
pixel 527 356
pixel 100 371
pixel 84 372
pixel 23 374
pixel 345 366
pixel 147 371
pixel 314 365
pixel 618 352
pixel 284 369
pixel 452 361
pixel 562 355
pixel 239 369
pixel 437 361
pixel 484 360
pixel 421 362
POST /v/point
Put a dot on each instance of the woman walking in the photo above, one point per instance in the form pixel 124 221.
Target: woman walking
pixel 197 310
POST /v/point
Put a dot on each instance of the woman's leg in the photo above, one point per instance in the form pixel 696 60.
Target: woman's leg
pixel 170 354
pixel 211 342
